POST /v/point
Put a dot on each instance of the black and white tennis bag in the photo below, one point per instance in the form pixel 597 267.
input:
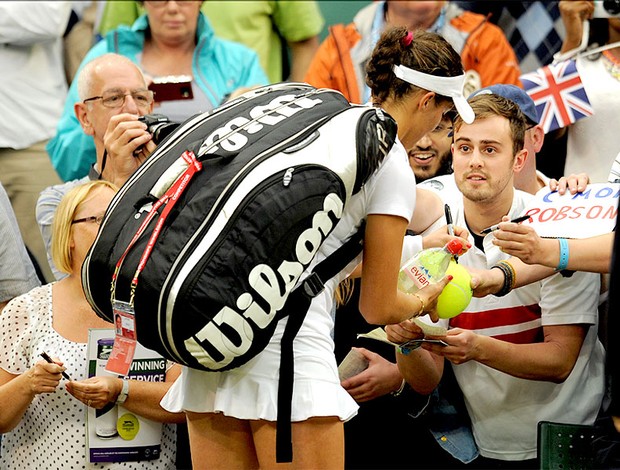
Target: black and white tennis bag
pixel 210 238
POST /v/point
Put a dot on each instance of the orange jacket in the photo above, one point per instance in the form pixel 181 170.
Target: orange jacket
pixel 484 50
pixel 332 66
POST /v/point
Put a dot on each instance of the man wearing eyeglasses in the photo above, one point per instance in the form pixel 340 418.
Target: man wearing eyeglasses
pixel 113 95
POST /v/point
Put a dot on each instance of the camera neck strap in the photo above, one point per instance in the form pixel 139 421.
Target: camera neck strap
pixel 582 49
pixel 104 159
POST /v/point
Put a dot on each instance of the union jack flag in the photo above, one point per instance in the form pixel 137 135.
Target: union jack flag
pixel 558 94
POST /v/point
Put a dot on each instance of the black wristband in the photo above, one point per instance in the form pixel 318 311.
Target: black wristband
pixel 508 279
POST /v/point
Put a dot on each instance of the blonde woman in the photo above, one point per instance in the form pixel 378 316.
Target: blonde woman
pixel 43 425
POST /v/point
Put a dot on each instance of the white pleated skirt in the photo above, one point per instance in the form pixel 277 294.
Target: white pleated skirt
pixel 251 391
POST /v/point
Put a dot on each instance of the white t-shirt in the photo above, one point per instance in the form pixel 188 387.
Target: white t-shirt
pixel 33 87
pixel 250 391
pixel 444 185
pixel 504 409
pixel 593 141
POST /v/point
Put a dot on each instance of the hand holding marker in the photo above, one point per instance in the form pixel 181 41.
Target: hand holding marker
pixel 495 227
pixel 45 356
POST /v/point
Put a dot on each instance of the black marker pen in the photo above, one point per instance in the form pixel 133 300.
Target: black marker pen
pixel 492 228
pixel 45 356
pixel 448 214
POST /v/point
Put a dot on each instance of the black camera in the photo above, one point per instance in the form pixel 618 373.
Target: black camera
pixel 159 126
pixel 606 8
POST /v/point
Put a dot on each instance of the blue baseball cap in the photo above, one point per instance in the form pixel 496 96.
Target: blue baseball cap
pixel 514 94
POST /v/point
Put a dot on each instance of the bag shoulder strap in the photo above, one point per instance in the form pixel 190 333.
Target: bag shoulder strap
pixel 376 134
pixel 296 307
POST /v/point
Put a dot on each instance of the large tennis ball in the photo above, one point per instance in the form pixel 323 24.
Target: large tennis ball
pixel 457 294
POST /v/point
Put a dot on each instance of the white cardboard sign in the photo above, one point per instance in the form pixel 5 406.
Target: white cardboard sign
pixel 587 214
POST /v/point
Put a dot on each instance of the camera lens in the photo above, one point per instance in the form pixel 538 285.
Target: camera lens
pixel 159 126
pixel 161 131
pixel 612 6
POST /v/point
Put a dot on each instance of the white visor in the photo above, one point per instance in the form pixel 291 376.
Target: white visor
pixel 445 86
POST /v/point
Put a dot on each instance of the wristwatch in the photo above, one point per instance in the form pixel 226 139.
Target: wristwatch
pixel 124 393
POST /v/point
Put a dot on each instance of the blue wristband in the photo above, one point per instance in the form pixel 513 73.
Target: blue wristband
pixel 563 264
